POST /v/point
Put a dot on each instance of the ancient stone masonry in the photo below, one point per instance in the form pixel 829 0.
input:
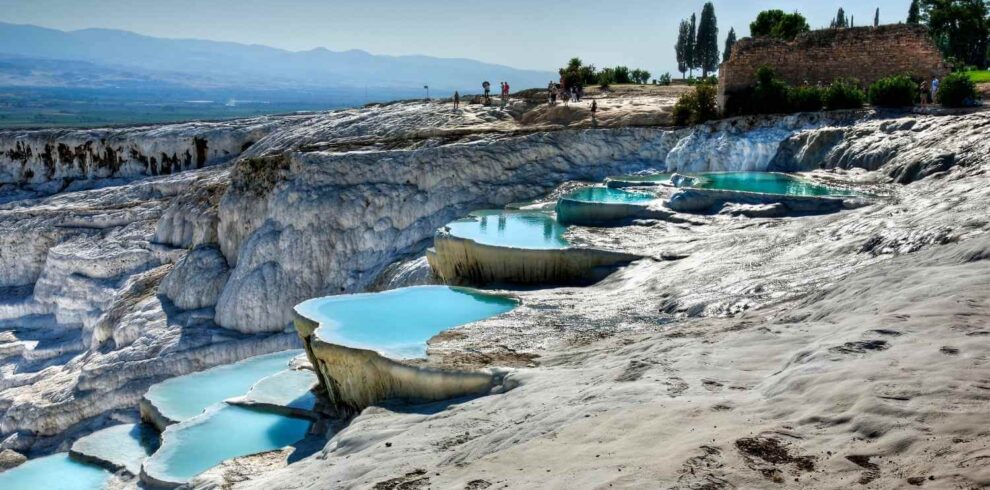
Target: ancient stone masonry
pixel 865 54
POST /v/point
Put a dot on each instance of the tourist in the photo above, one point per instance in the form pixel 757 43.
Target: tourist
pixel 457 100
pixel 923 88
pixel 551 96
pixel 935 83
pixel 488 90
pixel 505 94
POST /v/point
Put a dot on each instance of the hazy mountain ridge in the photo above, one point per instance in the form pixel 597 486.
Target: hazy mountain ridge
pixel 247 66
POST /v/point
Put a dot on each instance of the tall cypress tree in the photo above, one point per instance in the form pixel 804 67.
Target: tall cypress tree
pixel 706 47
pixel 682 46
pixel 730 41
pixel 876 18
pixel 840 19
pixel 914 13
pixel 691 47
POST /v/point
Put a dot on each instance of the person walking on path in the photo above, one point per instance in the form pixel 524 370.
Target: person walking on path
pixel 935 84
pixel 551 94
pixel 457 100
pixel 923 88
pixel 505 94
pixel 488 90
pixel 594 111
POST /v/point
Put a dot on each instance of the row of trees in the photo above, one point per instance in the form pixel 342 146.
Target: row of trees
pixel 697 43
pixel 576 73
pixel 960 28
pixel 840 20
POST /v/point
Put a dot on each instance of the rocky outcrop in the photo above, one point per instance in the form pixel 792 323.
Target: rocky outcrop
pixel 458 260
pixel 906 149
pixel 11 459
pixel 355 379
pixel 197 279
pixel 53 160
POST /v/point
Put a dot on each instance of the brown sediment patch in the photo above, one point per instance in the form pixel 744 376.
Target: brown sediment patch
pixel 413 480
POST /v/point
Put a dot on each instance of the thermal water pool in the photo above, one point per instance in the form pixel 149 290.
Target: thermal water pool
pixel 516 229
pixel 186 396
pixel 57 471
pixel 608 195
pixel 398 323
pixel 222 432
pixel 766 183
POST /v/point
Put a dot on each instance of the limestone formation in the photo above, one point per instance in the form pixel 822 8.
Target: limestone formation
pixel 355 379
pixel 197 279
pixel 458 260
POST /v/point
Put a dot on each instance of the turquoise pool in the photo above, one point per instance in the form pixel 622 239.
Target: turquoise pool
pixel 767 183
pixel 222 432
pixel 398 323
pixel 609 196
pixel 184 397
pixel 518 229
pixel 55 472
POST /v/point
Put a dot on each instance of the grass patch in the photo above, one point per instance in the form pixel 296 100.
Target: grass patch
pixel 979 76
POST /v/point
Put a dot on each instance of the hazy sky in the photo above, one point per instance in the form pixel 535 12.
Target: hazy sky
pixel 520 33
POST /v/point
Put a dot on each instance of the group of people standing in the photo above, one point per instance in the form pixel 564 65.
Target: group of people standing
pixel 928 89
pixel 487 100
pixel 563 92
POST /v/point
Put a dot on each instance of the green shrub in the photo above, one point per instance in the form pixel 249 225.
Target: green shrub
pixel 770 96
pixel 806 99
pixel 898 91
pixel 956 90
pixel 697 106
pixel 843 94
pixel 665 79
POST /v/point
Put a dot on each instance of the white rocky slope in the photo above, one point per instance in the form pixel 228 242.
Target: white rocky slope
pixel 42 162
pixel 86 327
pixel 839 351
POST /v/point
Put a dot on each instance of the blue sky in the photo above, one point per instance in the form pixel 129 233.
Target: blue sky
pixel 520 33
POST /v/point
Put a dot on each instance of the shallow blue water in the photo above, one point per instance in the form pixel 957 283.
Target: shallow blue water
pixel 766 182
pixel 184 397
pixel 127 445
pixel 518 229
pixel 609 196
pixel 398 323
pixel 55 472
pixel 223 432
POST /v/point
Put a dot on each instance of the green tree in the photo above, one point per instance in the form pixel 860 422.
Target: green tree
pixel 840 19
pixel 574 73
pixel 636 75
pixel 692 46
pixel 730 41
pixel 876 18
pixel 620 74
pixel 681 47
pixel 914 12
pixel 706 48
pixel 960 28
pixel 778 24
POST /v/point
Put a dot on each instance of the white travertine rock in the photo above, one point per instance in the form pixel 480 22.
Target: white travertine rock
pixel 196 281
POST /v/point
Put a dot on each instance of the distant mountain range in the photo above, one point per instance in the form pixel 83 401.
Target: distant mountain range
pixel 32 56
